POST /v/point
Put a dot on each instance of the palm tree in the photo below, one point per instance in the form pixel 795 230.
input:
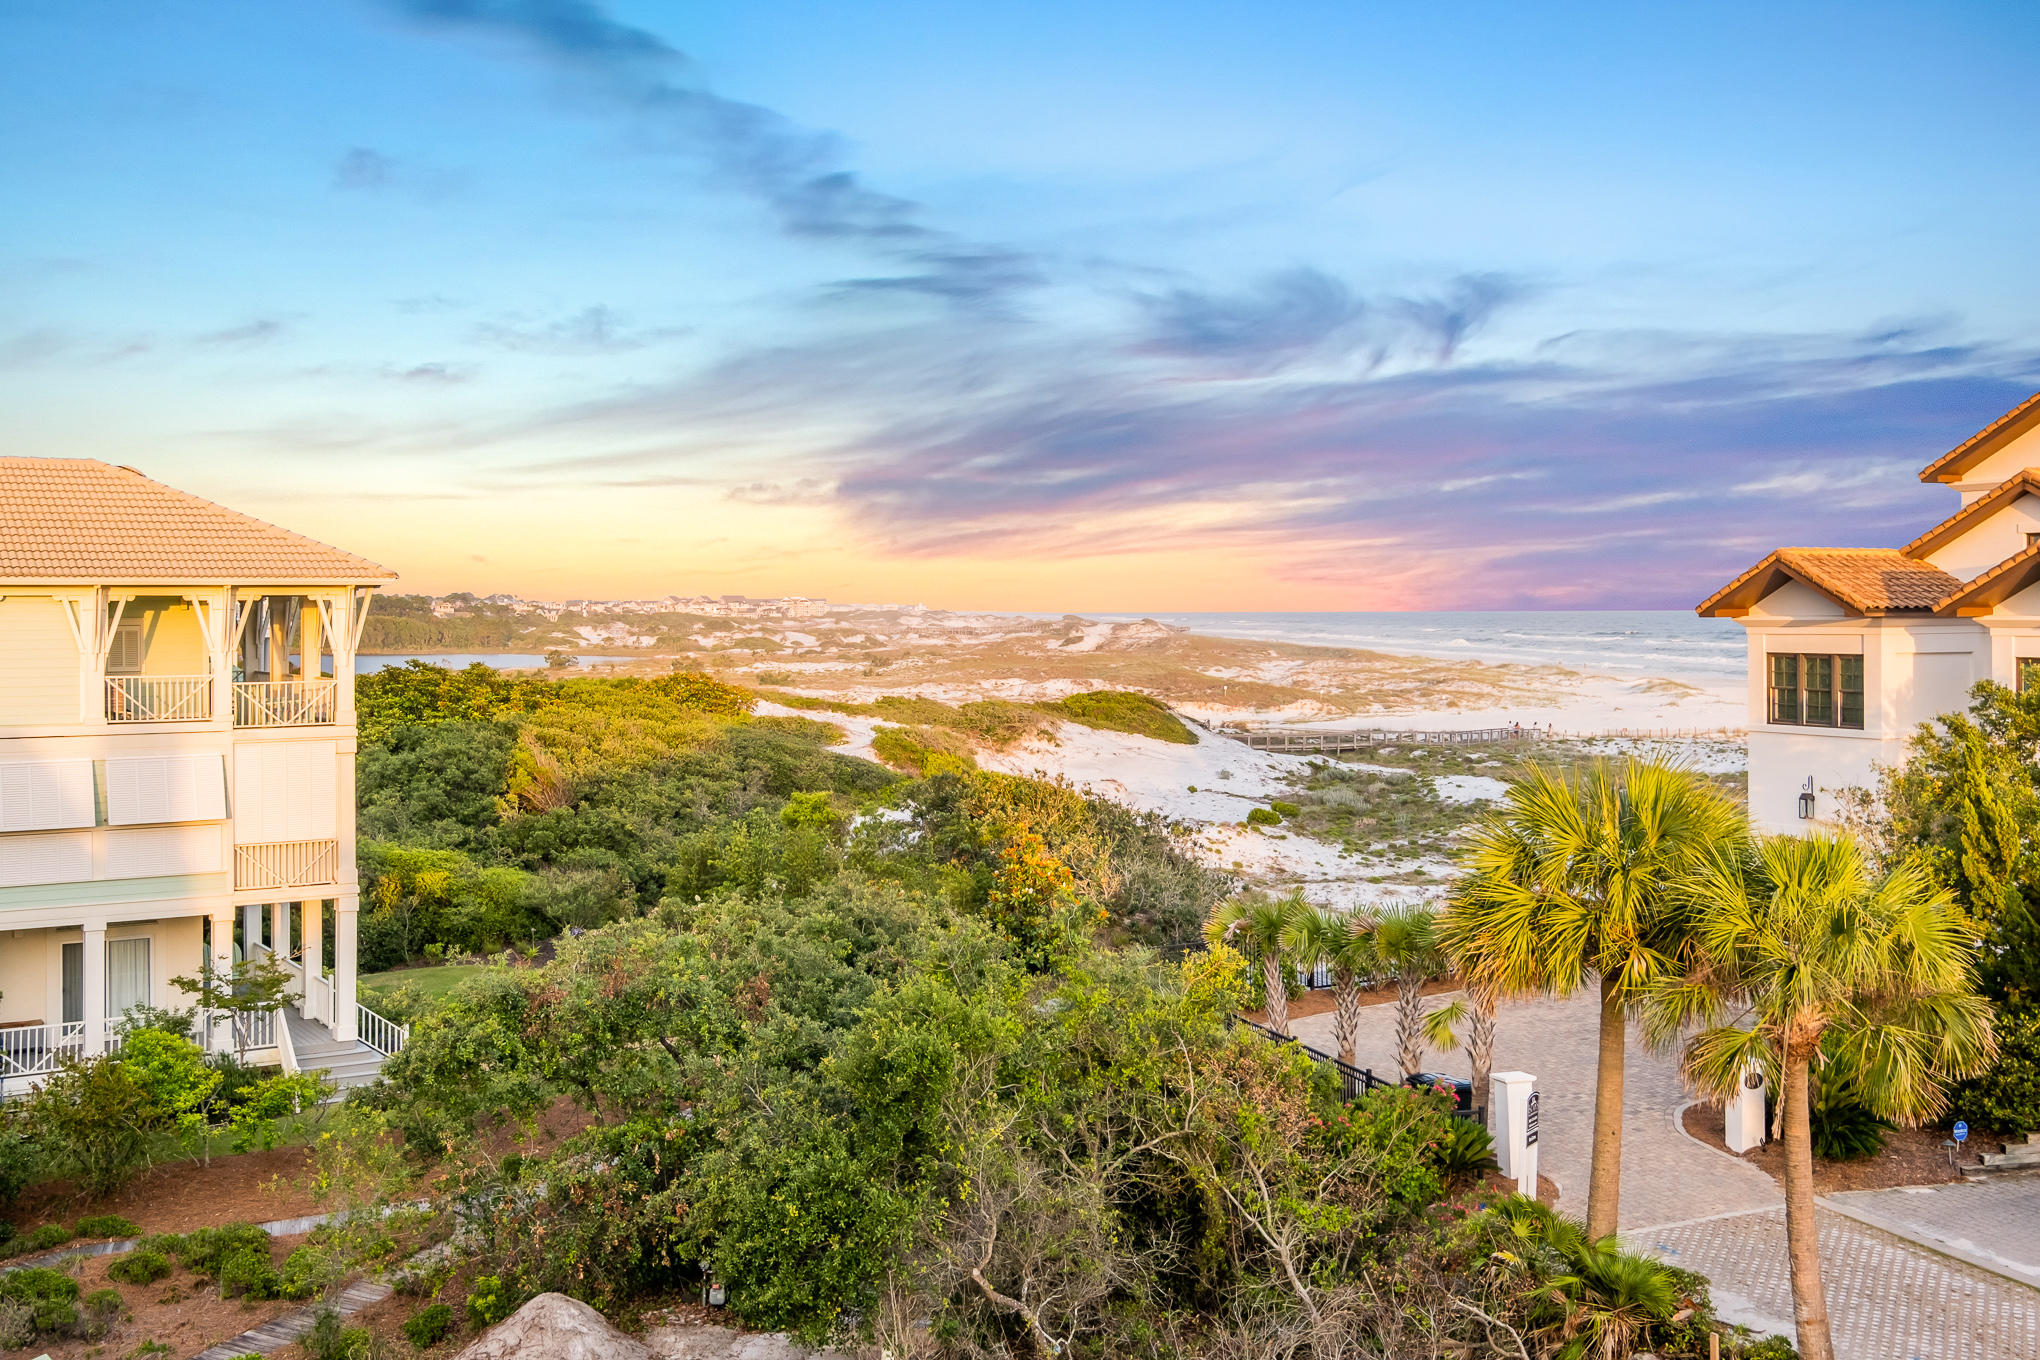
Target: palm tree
pixel 1476 1010
pixel 1805 955
pixel 1406 941
pixel 1343 942
pixel 1258 926
pixel 1573 878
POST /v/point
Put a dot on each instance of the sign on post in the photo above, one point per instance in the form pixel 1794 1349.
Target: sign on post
pixel 1512 1106
pixel 1530 1120
pixel 1961 1131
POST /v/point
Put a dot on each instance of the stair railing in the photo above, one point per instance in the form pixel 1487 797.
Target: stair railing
pixel 385 1036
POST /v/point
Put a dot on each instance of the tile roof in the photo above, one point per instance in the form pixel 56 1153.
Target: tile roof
pixel 1866 580
pixel 2026 481
pixel 1952 464
pixel 78 519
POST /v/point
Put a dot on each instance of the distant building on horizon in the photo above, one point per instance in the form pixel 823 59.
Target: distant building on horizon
pixel 1850 649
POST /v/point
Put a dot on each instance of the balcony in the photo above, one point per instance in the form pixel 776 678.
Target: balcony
pixel 158 698
pixel 285 703
pixel 285 864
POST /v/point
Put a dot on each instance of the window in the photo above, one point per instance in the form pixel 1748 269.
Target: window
pixel 1817 690
pixel 127 975
pixel 124 657
pixel 2026 673
pixel 2032 538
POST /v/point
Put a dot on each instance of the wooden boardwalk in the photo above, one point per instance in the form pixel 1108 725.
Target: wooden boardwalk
pixel 1301 740
pixel 279 1332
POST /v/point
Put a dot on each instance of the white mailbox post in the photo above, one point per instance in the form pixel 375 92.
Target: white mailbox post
pixel 1512 1104
pixel 1744 1114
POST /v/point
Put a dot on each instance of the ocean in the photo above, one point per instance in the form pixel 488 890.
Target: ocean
pixel 1625 643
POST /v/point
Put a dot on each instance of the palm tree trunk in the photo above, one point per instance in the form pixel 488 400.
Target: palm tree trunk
pixel 1604 1188
pixel 1802 1234
pixel 1409 1022
pixel 1480 1045
pixel 1277 989
pixel 1346 1019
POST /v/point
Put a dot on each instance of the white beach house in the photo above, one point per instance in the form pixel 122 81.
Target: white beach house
pixel 1851 648
pixel 176 763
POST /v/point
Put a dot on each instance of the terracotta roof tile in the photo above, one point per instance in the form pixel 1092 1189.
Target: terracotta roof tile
pixel 1995 586
pixel 1867 580
pixel 1957 460
pixel 78 519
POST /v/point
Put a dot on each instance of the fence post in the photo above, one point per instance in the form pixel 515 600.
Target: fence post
pixel 1512 1104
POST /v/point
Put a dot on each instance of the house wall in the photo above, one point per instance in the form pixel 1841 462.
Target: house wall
pixel 173 643
pixel 32 965
pixel 1999 536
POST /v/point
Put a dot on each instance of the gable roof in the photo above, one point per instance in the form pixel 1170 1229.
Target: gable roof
pixel 1995 586
pixel 1950 466
pixel 78 519
pixel 1862 580
pixel 2026 482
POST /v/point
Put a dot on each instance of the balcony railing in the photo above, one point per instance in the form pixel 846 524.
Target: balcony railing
pixel 285 864
pixel 285 703
pixel 158 698
pixel 33 1050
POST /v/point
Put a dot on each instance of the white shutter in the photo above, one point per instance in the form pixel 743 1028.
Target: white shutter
pixel 150 852
pixel 145 789
pixel 45 795
pixel 45 859
pixel 285 791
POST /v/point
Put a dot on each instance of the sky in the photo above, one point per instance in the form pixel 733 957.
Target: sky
pixel 1091 306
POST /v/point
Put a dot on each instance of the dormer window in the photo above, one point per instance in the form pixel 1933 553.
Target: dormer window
pixel 2032 538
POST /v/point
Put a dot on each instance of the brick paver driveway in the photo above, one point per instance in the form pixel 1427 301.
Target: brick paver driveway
pixel 1890 1298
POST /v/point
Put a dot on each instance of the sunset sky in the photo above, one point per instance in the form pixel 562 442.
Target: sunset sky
pixel 1092 306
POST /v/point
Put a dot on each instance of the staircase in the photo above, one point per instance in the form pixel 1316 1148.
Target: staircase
pixel 346 1065
pixel 2016 1157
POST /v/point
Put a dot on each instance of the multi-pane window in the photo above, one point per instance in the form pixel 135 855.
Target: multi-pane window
pixel 1816 690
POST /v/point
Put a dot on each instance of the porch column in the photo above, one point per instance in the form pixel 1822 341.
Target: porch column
pixel 223 957
pixel 344 916
pixel 279 642
pixel 95 988
pixel 315 942
pixel 251 929
pixel 309 644
pixel 279 931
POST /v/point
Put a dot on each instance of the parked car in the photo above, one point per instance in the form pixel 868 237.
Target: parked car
pixel 1460 1087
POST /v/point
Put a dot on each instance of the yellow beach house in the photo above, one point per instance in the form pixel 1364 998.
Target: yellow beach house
pixel 176 767
pixel 1851 648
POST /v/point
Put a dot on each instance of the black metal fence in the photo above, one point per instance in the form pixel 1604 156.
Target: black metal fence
pixel 1355 1081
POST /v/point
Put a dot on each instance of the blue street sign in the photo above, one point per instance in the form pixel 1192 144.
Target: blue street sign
pixel 1961 1131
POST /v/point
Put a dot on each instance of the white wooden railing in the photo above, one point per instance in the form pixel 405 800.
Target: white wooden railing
pixel 33 1050
pixel 315 998
pixel 158 698
pixel 385 1036
pixel 285 703
pixel 285 864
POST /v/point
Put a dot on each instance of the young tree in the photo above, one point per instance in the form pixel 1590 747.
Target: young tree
pixel 1257 926
pixel 1805 954
pixel 1573 878
pixel 1407 944
pixel 1342 941
pixel 1476 1011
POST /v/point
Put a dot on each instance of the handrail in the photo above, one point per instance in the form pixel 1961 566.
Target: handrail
pixel 286 1050
pixel 380 1033
pixel 158 698
pixel 285 864
pixel 34 1050
pixel 285 703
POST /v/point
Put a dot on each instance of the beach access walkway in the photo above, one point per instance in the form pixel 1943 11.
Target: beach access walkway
pixel 1894 1292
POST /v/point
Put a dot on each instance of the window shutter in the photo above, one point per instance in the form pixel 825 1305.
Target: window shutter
pixel 26 860
pixel 145 789
pixel 45 795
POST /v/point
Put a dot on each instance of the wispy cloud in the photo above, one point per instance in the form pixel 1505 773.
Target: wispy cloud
pixel 258 331
pixel 592 330
pixel 364 168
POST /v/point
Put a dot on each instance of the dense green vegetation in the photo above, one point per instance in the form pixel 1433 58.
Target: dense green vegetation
pixel 999 723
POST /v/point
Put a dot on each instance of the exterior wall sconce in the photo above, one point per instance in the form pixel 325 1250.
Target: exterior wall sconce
pixel 1806 801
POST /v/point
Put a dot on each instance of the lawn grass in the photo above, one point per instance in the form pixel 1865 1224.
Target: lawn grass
pixel 433 982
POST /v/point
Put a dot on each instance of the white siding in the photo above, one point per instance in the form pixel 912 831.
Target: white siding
pixel 38 663
pixel 184 788
pixel 64 858
pixel 284 791
pixel 153 851
pixel 45 795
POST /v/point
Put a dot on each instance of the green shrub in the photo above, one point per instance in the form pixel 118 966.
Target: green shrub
pixel 139 1266
pixel 248 1271
pixel 20 1163
pixel 1263 817
pixel 50 1298
pixel 204 1250
pixel 48 1236
pixel 105 1225
pixel 1113 710
pixel 1844 1131
pixel 307 1270
pixel 429 1326
pixel 92 1119
pixel 1284 810
pixel 100 1310
pixel 489 1301
pixel 270 1099
pixel 330 1339
pixel 2006 1099
pixel 172 1072
pixel 1465 1150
